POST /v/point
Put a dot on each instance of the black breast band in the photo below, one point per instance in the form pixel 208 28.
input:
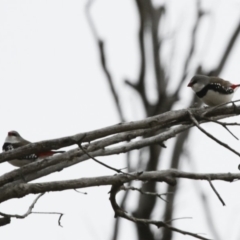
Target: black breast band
pixel 8 147
pixel 216 87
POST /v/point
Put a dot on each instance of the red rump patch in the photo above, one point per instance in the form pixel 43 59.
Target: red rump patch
pixel 235 86
pixel 46 154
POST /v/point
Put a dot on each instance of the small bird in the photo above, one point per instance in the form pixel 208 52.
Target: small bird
pixel 14 140
pixel 213 90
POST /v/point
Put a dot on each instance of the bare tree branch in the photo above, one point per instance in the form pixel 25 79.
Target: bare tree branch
pixel 4 221
pixel 232 41
pixel 216 192
pixel 188 59
pixel 13 186
pixel 56 163
pixel 123 201
pixel 146 193
pixel 168 176
pixel 102 54
pixel 169 209
pixel 19 190
pixel 72 157
pixel 121 213
pixel 168 119
pixel 29 211
pixel 224 125
pixel 101 163
pixel 203 196
pixel 54 213
pixel 211 136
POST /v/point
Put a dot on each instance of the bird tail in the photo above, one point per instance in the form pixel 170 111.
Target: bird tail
pixel 234 86
pixel 58 152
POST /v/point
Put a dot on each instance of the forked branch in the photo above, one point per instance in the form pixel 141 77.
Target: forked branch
pixel 159 224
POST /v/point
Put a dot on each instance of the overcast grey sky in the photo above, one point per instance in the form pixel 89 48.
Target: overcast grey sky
pixel 52 86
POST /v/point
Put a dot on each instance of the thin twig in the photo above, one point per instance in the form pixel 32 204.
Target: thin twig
pixel 216 192
pixel 210 135
pixel 230 124
pixel 215 107
pixel 80 191
pixel 29 211
pixel 192 45
pixel 58 213
pixel 223 124
pixel 174 219
pixel 121 213
pixel 196 235
pixel 101 163
pixel 102 54
pixel 59 220
pixel 145 193
pixel 228 50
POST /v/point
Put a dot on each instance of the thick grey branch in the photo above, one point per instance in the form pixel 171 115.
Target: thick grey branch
pixel 170 118
pixel 73 159
pixel 169 176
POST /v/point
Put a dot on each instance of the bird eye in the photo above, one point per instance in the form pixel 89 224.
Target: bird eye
pixel 12 134
pixel 194 81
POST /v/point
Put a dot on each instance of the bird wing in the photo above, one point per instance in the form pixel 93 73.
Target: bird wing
pixel 224 83
pixel 7 146
pixel 11 146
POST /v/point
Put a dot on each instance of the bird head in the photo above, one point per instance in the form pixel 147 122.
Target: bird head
pixel 13 136
pixel 198 82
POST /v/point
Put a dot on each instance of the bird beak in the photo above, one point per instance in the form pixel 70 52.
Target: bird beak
pixel 190 84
